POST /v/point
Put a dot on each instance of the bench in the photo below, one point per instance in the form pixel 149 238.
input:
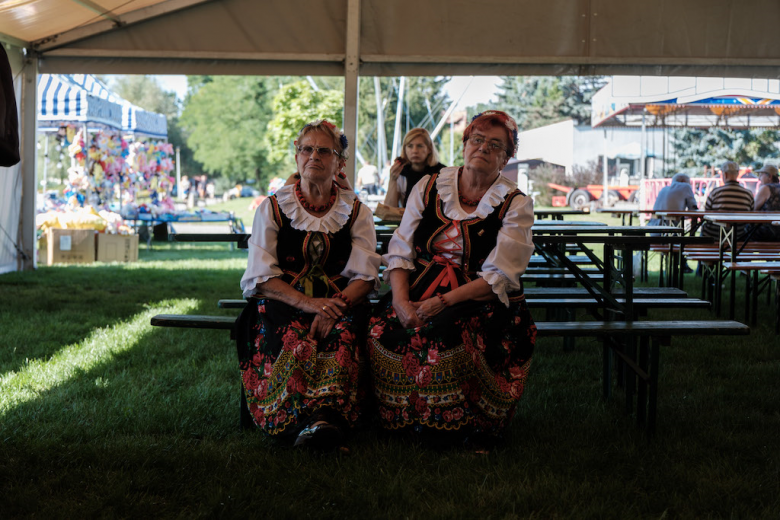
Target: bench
pixel 642 364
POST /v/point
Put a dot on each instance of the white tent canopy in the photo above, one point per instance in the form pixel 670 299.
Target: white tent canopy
pixel 382 37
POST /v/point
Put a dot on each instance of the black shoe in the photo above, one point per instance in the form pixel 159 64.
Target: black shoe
pixel 319 434
pixel 322 436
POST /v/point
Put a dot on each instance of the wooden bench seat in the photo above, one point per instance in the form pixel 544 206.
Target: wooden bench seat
pixel 579 303
pixel 643 363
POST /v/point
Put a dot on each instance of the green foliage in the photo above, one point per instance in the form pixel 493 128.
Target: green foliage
pixel 147 93
pixel 536 101
pixel 695 147
pixel 443 147
pixel 424 103
pixel 226 118
pixel 294 105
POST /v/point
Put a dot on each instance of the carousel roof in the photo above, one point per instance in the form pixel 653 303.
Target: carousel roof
pixel 687 102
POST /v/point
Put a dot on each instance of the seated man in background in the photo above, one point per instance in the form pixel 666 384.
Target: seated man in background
pixel 729 197
pixel 678 196
pixel 767 199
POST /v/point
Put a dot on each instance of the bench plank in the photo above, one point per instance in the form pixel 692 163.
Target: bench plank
pixel 642 328
pixel 194 321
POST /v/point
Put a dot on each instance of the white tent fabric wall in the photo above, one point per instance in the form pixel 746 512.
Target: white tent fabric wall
pixel 11 187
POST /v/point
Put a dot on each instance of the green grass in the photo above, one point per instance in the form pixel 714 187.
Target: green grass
pixel 102 415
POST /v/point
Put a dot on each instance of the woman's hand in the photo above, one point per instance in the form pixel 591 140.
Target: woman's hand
pixel 396 168
pixel 407 314
pixel 429 308
pixel 330 308
pixel 320 328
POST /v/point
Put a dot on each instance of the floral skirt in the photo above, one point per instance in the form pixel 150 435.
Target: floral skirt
pixel 464 370
pixel 287 378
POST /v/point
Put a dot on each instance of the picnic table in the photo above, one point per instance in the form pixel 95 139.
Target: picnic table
pixel 728 223
pixel 623 213
pixel 558 213
pixel 617 269
pixel 149 219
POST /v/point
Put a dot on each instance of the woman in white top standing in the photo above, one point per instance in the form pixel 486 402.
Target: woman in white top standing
pixel 312 262
pixel 418 159
pixel 451 346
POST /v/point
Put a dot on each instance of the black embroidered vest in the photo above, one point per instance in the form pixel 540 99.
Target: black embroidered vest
pixel 323 278
pixel 413 177
pixel 479 238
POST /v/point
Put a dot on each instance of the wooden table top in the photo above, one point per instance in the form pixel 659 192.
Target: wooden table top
pixel 742 218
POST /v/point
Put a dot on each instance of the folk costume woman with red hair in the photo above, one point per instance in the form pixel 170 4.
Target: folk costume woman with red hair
pixel 451 346
pixel 312 262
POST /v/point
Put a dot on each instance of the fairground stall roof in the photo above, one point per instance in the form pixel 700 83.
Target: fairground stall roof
pixel 687 102
pixel 61 102
pixel 84 98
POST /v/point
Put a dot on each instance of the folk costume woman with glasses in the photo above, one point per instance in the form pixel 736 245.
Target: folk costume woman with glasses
pixel 451 346
pixel 418 159
pixel 312 262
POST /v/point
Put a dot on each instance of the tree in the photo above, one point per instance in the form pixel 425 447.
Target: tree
pixel 146 92
pixel 293 106
pixel 696 147
pixel 425 101
pixel 536 101
pixel 226 118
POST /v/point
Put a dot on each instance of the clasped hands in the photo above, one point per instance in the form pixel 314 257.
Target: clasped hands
pixel 415 314
pixel 328 311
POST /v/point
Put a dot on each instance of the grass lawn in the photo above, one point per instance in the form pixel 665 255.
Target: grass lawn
pixel 102 415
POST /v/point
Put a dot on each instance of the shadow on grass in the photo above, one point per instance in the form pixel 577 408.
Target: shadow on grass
pixel 44 311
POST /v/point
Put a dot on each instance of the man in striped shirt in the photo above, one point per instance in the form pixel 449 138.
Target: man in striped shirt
pixel 729 197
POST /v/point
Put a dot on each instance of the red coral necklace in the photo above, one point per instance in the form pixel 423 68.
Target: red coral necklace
pixel 469 202
pixel 312 207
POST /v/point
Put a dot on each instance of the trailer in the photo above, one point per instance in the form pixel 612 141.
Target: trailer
pixel 579 197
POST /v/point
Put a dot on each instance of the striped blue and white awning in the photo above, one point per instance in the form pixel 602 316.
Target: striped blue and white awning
pixel 68 97
pixel 135 120
pixel 60 101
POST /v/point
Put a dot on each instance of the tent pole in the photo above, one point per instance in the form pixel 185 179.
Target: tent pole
pixel 351 82
pixel 381 144
pixel 26 258
pixel 605 192
pixel 398 113
pixel 45 162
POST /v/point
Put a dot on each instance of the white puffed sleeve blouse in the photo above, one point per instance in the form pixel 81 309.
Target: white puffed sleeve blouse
pixel 506 262
pixel 363 263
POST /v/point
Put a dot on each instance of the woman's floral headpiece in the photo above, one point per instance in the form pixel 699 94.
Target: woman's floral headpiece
pixel 498 115
pixel 330 126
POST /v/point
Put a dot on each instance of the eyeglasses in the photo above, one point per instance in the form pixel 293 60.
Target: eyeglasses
pixel 322 151
pixel 493 146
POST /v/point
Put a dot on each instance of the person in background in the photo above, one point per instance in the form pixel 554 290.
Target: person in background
pixel 368 179
pixel 418 159
pixel 767 199
pixel 728 197
pixel 677 196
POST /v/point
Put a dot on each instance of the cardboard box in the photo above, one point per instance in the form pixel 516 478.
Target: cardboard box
pixel 117 248
pixel 70 246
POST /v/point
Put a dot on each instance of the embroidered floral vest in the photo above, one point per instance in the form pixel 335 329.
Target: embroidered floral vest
pixel 479 235
pixel 323 278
